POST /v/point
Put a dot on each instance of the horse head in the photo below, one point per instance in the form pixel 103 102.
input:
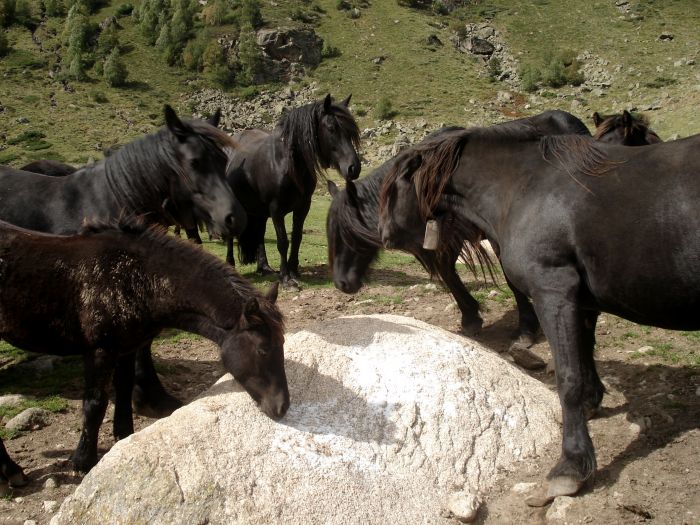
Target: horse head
pixel 202 151
pixel 254 354
pixel 349 253
pixel 624 129
pixel 339 138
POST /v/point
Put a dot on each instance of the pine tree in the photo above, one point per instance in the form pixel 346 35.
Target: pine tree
pixel 115 72
pixel 249 56
pixel 107 41
pixel 54 7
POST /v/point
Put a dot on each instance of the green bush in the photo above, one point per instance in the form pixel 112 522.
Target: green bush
pixel 107 41
pixel 4 43
pixel 530 76
pixel 26 136
pixel 343 5
pixel 249 57
pixel 99 96
pixel 115 72
pixel 54 8
pixel 494 69
pixel 251 13
pixel 384 109
pixel 330 51
pixel 124 10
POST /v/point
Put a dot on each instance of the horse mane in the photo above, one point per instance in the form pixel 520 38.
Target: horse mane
pixel 576 153
pixel 209 265
pixel 140 171
pixel 299 130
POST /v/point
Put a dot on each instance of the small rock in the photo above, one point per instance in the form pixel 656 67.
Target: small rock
pixel 431 287
pixel 18 499
pixel 645 349
pixel 493 293
pixel 29 419
pixel 697 391
pixel 523 488
pixel 678 63
pixel 22 120
pixel 479 46
pixel 452 306
pixel 29 522
pixel 50 506
pixel 464 506
pixel 635 429
pixel 50 483
pixel 504 97
pixel 550 367
pixel 12 400
pixel 666 35
pixel 560 505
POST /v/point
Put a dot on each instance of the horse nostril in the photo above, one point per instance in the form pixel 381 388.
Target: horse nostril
pixel 230 220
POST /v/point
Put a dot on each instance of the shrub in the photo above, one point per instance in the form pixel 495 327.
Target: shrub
pixel 115 72
pixel 215 13
pixel 330 51
pixel 99 97
pixel 439 8
pixel 4 43
pixel 194 50
pixel 343 5
pixel 384 109
pixel 251 13
pixel 107 41
pixel 54 8
pixel 124 10
pixel 494 68
pixel 249 57
pixel 530 76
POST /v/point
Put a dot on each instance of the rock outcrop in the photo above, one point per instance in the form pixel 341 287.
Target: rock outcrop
pixel 392 421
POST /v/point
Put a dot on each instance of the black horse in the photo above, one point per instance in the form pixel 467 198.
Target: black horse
pixel 354 241
pixel 273 174
pixel 110 290
pixel 52 168
pixel 625 129
pixel 165 177
pixel 578 225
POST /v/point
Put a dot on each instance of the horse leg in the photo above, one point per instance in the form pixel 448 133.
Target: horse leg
pixel 298 218
pixel 593 388
pixel 468 306
pixel 99 368
pixel 149 396
pixel 282 247
pixel 229 251
pixel 193 235
pixel 11 474
pixel 526 335
pixel 123 385
pixel 562 321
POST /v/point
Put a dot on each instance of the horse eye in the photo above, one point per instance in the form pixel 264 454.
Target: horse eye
pixel 262 352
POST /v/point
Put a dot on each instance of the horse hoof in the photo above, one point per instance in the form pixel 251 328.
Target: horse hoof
pixel 291 284
pixel 558 486
pixel 523 340
pixel 18 479
pixel 471 327
pixel 526 358
pixel 4 489
pixel 156 408
pixel 266 270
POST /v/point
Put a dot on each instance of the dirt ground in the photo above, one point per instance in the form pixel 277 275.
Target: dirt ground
pixel 647 437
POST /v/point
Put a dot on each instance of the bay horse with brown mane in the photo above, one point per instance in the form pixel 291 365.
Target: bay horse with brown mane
pixel 275 173
pixel 577 224
pixel 109 290
pixel 168 176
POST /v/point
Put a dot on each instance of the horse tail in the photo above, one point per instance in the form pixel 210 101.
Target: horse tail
pixel 252 236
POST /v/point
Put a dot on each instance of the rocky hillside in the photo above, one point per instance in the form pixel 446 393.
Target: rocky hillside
pixel 410 69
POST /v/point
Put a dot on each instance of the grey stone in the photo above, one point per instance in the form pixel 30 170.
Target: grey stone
pixel 294 45
pixel 50 483
pixel 29 419
pixel 388 416
pixel 12 400
pixel 557 511
pixel 50 506
pixel 464 506
pixel 29 522
pixel 479 46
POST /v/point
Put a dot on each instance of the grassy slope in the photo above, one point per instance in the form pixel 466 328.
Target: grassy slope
pixel 435 85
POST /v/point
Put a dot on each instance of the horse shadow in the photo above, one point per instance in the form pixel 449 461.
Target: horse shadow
pixel 322 405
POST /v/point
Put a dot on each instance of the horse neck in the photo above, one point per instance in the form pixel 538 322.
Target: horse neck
pixel 482 188
pixel 138 176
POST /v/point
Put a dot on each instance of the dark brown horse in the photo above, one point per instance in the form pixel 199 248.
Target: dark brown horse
pixel 109 291
pixel 577 225
pixel 275 173
pixel 173 175
pixel 625 129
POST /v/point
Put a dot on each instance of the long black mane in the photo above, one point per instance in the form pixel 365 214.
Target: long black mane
pixel 141 172
pixel 299 130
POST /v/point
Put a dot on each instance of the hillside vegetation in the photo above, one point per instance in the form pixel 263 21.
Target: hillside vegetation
pixel 379 51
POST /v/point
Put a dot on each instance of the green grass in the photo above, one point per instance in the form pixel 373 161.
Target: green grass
pixel 51 403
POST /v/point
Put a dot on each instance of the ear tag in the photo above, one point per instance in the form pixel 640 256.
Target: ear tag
pixel 432 235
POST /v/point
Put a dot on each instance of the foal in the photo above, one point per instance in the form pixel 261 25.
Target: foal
pixel 105 292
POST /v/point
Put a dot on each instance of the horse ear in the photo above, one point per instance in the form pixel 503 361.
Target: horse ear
pixel 175 125
pixel 346 102
pixel 332 188
pixel 327 103
pixel 626 119
pixel 597 119
pixel 250 309
pixel 215 118
pixel 410 166
pixel 272 291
